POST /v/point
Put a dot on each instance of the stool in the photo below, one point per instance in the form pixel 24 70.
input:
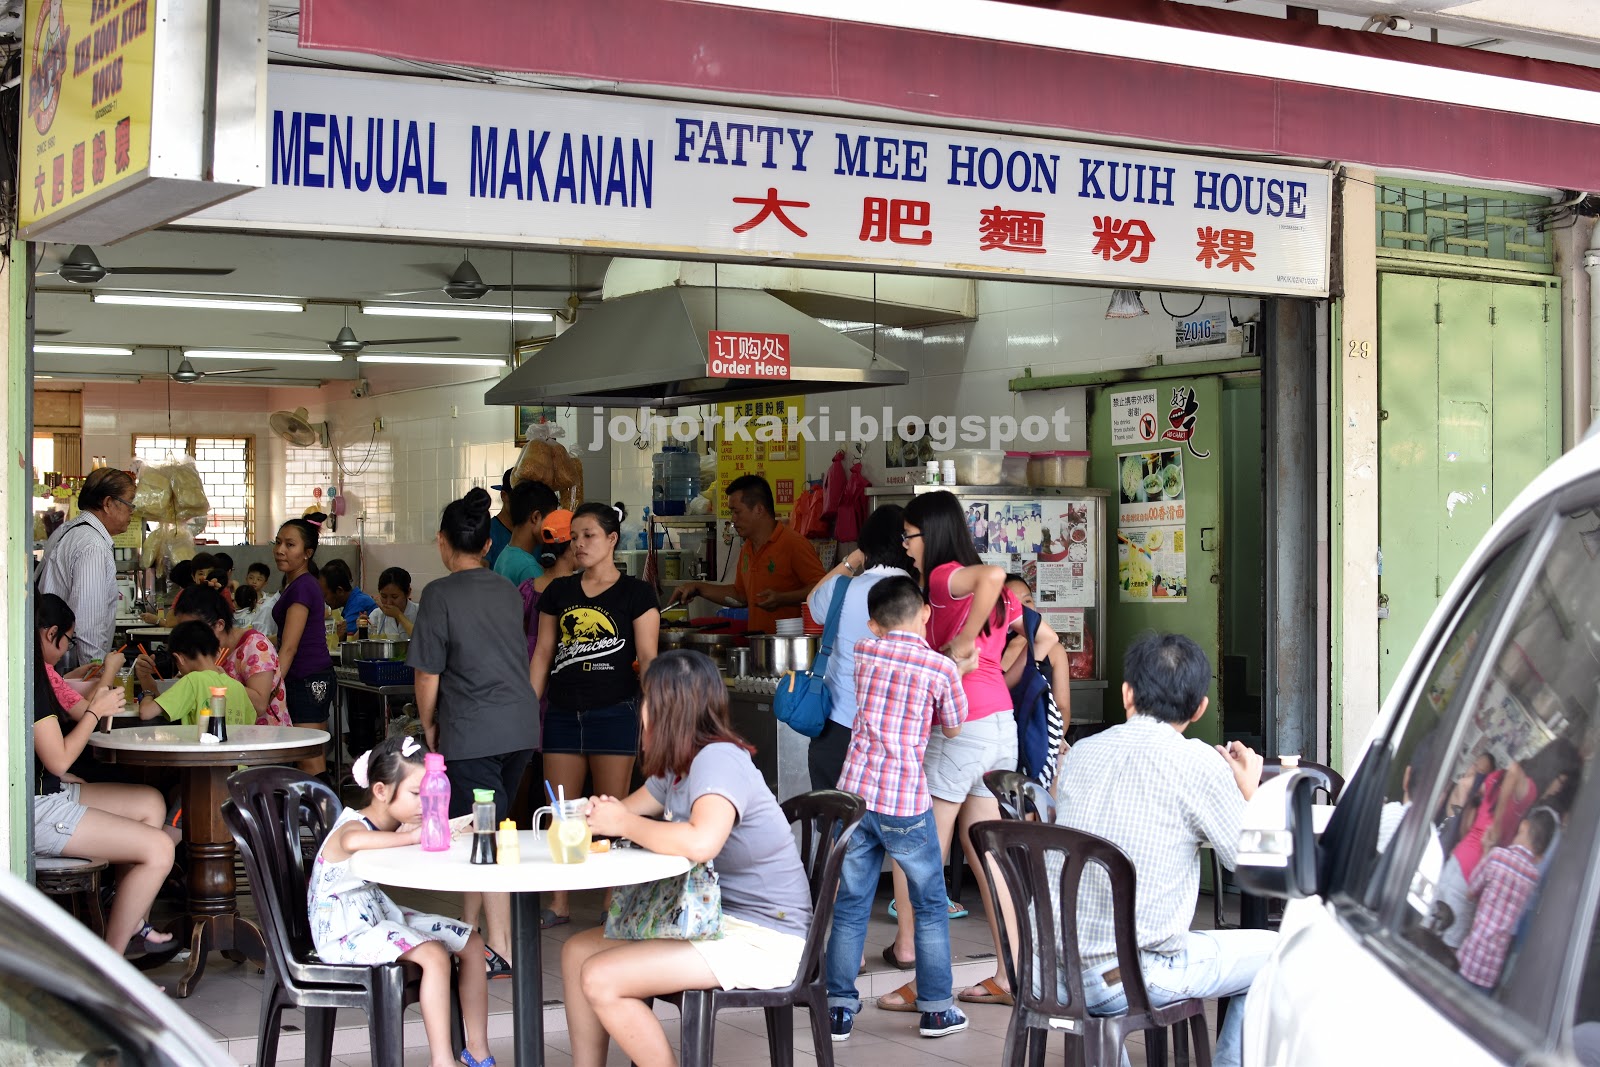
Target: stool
pixel 79 882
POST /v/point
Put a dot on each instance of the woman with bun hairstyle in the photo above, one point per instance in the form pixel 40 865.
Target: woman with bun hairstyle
pixel 477 710
pixel 304 667
pixel 597 634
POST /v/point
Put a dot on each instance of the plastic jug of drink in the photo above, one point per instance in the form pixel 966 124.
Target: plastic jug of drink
pixel 568 835
pixel 483 841
pixel 435 804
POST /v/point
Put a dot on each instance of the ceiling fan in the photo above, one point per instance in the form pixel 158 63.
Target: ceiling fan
pixel 186 374
pixel 465 283
pixel 346 343
pixel 81 267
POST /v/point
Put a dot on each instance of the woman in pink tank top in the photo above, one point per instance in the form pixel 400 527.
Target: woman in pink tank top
pixel 972 616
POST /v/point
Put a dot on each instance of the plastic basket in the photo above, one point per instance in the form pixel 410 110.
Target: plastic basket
pixel 380 672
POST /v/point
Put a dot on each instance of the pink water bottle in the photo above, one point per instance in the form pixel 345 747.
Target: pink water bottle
pixel 435 804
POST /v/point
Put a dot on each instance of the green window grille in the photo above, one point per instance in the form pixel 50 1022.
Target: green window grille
pixel 1417 221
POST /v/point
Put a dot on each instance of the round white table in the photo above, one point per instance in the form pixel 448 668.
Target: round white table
pixel 214 921
pixel 452 872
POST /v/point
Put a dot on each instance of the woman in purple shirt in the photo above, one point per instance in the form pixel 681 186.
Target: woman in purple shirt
pixel 304 666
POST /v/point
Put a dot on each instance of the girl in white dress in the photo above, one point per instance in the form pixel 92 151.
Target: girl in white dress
pixel 354 921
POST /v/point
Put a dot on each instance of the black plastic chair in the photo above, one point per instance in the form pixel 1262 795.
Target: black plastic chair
pixel 1045 963
pixel 269 809
pixel 1019 795
pixel 827 818
pixel 1329 783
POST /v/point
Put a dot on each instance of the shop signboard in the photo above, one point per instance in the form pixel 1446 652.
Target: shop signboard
pixel 116 103
pixel 409 158
pixel 755 438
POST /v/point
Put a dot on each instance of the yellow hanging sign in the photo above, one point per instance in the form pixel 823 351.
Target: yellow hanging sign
pixel 87 76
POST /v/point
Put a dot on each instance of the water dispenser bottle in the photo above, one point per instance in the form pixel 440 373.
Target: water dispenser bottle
pixel 675 480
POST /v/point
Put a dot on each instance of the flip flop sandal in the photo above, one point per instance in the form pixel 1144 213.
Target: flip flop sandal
pixel 896 962
pixel 992 994
pixel 908 999
pixel 548 918
pixel 466 1060
pixel 498 966
pixel 957 911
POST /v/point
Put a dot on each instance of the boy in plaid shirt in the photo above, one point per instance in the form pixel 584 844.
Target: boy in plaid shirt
pixel 902 688
pixel 1502 885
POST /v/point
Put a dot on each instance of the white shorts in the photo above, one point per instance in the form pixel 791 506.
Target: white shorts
pixel 956 765
pixel 748 956
pixel 55 817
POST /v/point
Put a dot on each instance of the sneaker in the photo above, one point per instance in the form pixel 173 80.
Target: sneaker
pixel 940 1023
pixel 842 1021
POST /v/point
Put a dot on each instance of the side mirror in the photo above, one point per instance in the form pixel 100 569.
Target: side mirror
pixel 1277 839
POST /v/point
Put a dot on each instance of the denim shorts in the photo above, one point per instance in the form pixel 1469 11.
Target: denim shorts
pixel 55 817
pixel 607 731
pixel 956 765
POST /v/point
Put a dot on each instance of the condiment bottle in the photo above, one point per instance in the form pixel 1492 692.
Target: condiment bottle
pixel 219 712
pixel 509 845
pixel 361 627
pixel 483 848
pixel 435 791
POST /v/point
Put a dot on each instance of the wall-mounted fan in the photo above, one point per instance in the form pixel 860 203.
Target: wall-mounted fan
pixel 296 428
pixel 465 283
pixel 82 267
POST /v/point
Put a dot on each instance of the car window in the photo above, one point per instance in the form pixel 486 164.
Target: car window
pixel 1492 843
pixel 44 1030
pixel 1409 752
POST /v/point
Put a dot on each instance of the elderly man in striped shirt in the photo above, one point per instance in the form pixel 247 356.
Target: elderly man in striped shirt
pixel 80 567
pixel 1162 797
pixel 903 688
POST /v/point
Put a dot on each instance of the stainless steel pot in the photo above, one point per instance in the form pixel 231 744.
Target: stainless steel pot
pixel 349 652
pixel 771 655
pixel 738 660
pixel 375 648
pixel 671 639
pixel 713 645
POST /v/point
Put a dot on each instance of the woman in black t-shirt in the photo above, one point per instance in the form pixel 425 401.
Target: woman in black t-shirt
pixel 597 633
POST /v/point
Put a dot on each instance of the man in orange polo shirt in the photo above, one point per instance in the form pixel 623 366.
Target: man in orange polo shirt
pixel 777 567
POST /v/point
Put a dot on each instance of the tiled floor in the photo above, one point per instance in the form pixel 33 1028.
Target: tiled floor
pixel 227 1004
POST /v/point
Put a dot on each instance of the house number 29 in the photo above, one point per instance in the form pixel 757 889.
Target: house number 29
pixel 1360 350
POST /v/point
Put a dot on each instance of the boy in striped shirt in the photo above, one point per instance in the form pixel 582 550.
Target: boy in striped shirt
pixel 903 688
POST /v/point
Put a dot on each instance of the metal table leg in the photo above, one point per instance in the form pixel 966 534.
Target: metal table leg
pixel 527 980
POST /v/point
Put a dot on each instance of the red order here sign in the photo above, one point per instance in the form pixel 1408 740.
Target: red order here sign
pixel 749 355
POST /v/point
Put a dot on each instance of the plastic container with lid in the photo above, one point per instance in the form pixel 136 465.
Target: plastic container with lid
pixel 976 466
pixel 1014 468
pixel 1057 469
pixel 675 480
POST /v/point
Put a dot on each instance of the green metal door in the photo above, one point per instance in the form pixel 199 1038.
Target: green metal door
pixel 1170 521
pixel 1469 398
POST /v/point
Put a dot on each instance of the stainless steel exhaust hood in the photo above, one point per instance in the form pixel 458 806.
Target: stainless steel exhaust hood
pixel 650 349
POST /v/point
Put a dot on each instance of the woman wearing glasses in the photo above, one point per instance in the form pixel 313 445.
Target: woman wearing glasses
pixel 79 566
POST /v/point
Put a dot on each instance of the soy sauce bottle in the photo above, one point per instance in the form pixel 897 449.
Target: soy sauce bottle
pixel 217 725
pixel 483 813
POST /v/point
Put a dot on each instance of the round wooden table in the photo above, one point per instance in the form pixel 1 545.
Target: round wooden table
pixel 453 872
pixel 214 921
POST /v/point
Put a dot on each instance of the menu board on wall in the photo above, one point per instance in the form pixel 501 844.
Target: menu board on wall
pixel 756 438
pixel 1047 539
pixel 1152 542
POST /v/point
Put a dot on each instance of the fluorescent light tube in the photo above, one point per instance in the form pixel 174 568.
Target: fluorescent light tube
pixel 281 357
pixel 421 311
pixel 427 361
pixel 81 350
pixel 204 303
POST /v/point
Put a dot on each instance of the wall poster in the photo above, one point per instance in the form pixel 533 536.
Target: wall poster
pixel 765 448
pixel 1152 546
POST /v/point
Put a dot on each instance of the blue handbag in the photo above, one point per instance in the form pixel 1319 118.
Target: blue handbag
pixel 802 698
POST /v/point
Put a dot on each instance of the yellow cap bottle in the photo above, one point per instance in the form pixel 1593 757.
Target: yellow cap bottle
pixel 508 846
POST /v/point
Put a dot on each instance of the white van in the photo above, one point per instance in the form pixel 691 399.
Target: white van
pixel 1447 915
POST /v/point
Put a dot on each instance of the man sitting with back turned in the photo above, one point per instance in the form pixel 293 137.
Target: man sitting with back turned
pixel 1161 797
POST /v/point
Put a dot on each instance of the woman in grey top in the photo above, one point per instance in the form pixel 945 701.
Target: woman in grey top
pixel 702 799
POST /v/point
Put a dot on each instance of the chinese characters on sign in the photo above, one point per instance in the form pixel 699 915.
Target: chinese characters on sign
pixel 87 69
pixel 761 444
pixel 748 355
